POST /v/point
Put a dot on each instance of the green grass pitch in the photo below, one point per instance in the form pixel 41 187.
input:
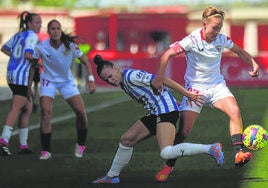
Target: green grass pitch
pixel 110 114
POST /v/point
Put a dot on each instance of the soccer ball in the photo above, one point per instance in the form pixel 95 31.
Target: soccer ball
pixel 255 137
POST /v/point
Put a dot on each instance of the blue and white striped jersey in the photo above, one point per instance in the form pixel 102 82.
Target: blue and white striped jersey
pixel 18 66
pixel 137 84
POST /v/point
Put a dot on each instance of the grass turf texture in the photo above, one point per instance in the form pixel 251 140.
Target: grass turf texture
pixel 106 125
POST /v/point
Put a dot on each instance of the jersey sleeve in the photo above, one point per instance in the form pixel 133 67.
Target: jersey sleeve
pixel 75 50
pixel 186 44
pixel 141 78
pixel 228 43
pixel 31 42
pixel 8 45
pixel 37 52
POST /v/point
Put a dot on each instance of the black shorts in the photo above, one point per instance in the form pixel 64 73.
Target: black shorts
pixel 150 120
pixel 19 90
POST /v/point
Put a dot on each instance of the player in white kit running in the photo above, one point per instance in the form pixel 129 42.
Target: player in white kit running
pixel 57 54
pixel 203 49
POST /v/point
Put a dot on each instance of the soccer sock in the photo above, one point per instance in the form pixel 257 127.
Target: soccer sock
pixel 23 135
pixel 81 136
pixel 183 149
pixel 237 142
pixel 7 132
pixel 45 141
pixel 171 162
pixel 121 159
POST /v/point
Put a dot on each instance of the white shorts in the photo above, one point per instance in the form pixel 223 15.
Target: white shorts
pixel 211 95
pixel 66 89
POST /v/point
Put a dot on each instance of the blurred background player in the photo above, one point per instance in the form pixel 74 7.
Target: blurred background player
pixel 80 72
pixel 203 49
pixel 20 48
pixel 36 80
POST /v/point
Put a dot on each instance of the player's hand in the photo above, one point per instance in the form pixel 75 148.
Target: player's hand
pixel 29 94
pixel 198 99
pixel 157 85
pixel 255 71
pixel 91 87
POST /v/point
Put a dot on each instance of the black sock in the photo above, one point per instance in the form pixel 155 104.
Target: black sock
pixel 81 136
pixel 171 162
pixel 45 141
pixel 237 142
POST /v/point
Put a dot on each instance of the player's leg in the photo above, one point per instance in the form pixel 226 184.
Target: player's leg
pixel 124 152
pixel 71 94
pixel 23 128
pixel 46 128
pixel 230 107
pixel 48 91
pixel 78 107
pixel 17 104
pixel 165 136
pixel 186 123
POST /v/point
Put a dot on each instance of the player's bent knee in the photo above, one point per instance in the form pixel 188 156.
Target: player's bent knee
pixel 166 152
pixel 126 141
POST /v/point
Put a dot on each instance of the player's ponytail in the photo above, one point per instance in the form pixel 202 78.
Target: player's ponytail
pixel 67 39
pixel 101 63
pixel 25 17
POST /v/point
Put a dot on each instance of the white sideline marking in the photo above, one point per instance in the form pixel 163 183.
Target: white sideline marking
pixel 72 115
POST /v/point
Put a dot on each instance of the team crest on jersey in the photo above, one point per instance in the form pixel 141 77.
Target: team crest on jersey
pixel 218 48
pixel 139 75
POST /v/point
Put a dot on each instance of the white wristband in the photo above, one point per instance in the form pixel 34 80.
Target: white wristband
pixel 91 78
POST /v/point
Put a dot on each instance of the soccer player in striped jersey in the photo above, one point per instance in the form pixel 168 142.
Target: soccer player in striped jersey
pixel 160 121
pixel 20 48
pixel 203 49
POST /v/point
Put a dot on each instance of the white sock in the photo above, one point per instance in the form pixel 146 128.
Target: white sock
pixel 7 132
pixel 121 159
pixel 23 135
pixel 183 149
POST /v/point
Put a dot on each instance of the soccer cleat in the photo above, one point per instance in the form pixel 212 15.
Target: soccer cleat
pixel 45 155
pixel 163 174
pixel 107 179
pixel 242 158
pixel 216 152
pixel 24 150
pixel 4 150
pixel 79 150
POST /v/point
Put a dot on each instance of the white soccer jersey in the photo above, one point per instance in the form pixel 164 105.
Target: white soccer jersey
pixel 18 66
pixel 137 84
pixel 203 59
pixel 56 62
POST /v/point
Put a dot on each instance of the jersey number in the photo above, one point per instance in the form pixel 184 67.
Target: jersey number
pixel 45 82
pixel 17 53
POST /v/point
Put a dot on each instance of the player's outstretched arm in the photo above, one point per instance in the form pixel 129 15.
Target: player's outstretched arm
pixel 246 57
pixel 90 78
pixel 195 97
